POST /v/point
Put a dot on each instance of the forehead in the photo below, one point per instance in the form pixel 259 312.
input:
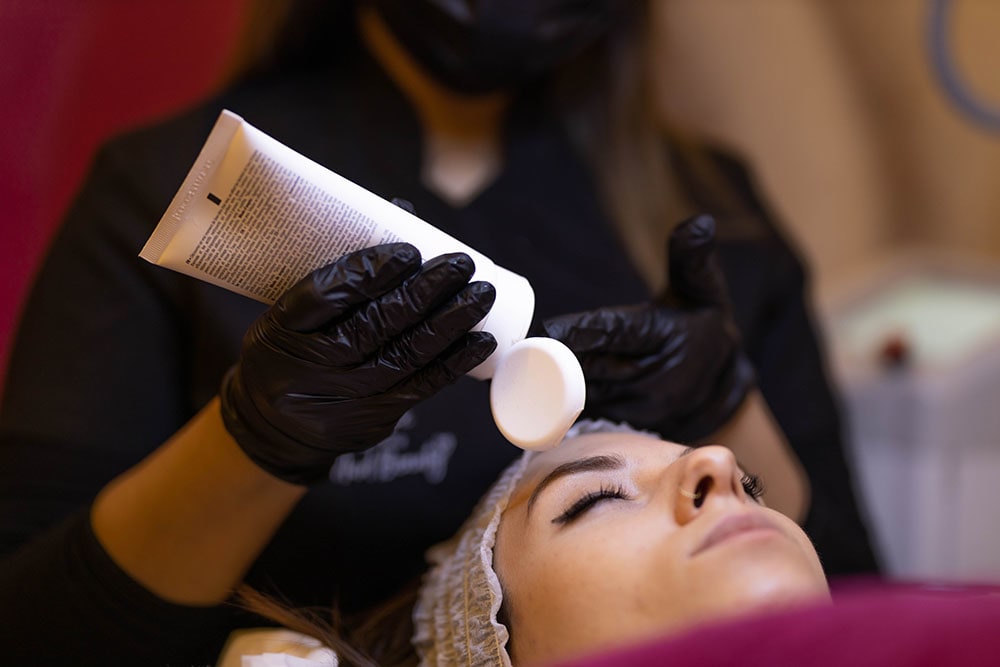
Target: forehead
pixel 594 444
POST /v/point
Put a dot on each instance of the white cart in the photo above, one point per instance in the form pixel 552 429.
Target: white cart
pixel 916 356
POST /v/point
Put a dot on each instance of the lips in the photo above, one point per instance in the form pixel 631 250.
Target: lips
pixel 733 526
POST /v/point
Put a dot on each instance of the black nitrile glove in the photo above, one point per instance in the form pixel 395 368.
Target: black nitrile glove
pixel 674 366
pixel 332 366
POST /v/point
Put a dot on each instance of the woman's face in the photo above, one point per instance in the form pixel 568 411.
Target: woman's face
pixel 604 544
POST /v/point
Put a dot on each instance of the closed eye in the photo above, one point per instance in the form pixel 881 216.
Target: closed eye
pixel 589 500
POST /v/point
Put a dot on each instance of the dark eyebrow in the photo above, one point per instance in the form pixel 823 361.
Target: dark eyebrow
pixel 589 464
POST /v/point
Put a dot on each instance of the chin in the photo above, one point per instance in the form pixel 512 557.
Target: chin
pixel 762 584
pixel 764 597
pixel 784 588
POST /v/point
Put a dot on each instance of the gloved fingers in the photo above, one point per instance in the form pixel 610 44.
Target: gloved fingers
pixel 386 318
pixel 681 369
pixel 646 402
pixel 610 377
pixel 422 345
pixel 404 204
pixel 615 381
pixel 619 369
pixel 629 330
pixel 464 355
pixel 332 291
pixel 695 274
pixel 389 338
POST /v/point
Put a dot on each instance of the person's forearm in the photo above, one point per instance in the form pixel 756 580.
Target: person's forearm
pixel 188 521
pixel 761 447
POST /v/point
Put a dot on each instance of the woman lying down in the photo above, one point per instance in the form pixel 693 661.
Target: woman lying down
pixel 611 538
pixel 618 548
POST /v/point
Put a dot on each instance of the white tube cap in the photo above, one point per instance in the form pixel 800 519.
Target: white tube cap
pixel 537 393
pixel 508 319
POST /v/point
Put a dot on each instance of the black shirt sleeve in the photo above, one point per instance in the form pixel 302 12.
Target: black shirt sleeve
pixel 64 601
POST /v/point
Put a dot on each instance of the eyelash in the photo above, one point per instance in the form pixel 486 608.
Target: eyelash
pixel 589 500
pixel 752 486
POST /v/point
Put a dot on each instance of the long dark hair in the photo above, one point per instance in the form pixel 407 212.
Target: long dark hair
pixel 651 173
pixel 378 637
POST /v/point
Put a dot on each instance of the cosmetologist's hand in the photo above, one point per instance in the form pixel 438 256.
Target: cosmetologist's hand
pixel 675 366
pixel 332 366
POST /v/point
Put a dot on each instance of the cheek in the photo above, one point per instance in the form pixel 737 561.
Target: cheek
pixel 591 589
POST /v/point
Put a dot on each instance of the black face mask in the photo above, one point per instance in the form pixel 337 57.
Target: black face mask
pixel 477 46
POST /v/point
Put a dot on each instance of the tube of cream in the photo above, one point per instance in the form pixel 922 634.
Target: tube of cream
pixel 253 216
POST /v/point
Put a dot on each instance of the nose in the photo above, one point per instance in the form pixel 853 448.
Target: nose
pixel 710 476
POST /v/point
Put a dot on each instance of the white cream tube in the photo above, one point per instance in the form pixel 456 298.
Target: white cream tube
pixel 253 216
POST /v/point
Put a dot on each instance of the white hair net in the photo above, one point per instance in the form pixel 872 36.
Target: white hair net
pixel 455 619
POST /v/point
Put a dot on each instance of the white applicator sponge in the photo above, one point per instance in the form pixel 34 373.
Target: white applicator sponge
pixel 537 393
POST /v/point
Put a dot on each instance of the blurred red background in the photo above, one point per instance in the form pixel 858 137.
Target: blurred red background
pixel 72 74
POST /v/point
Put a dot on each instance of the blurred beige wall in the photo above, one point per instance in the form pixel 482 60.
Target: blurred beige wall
pixel 836 106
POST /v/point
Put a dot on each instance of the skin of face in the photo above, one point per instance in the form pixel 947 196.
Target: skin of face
pixel 583 569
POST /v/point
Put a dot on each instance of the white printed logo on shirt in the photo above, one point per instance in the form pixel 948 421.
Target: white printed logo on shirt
pixel 387 460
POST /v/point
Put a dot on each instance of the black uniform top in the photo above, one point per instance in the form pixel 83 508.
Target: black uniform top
pixel 115 354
